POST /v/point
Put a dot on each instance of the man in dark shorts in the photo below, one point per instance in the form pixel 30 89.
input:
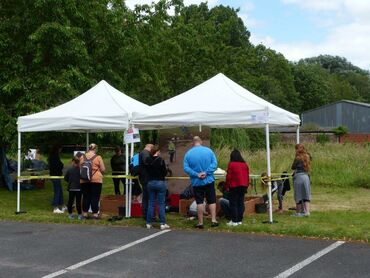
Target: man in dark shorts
pixel 200 163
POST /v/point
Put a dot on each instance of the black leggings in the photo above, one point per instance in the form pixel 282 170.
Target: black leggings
pixel 116 182
pixel 72 196
pixel 236 198
pixel 91 196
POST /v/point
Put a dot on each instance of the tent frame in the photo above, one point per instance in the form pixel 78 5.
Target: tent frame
pixel 128 183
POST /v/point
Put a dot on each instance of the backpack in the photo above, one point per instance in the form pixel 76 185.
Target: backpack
pixel 135 165
pixel 86 168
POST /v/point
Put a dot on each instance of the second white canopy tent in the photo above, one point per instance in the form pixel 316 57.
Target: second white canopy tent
pixel 220 103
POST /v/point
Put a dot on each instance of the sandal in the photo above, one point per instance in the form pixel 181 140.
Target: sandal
pixel 214 224
pixel 199 226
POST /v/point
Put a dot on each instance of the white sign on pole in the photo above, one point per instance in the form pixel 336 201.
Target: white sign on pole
pixel 132 135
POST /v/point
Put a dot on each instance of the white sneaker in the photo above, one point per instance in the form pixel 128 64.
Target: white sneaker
pixel 57 210
pixel 148 226
pixel 164 226
pixel 232 224
pixel 64 209
pixel 239 223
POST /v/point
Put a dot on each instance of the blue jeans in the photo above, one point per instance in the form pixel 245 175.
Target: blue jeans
pixel 225 208
pixel 58 193
pixel 156 188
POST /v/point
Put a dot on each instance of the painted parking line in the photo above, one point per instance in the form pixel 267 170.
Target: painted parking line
pixel 103 255
pixel 309 260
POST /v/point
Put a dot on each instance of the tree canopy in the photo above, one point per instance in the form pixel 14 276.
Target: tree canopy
pixel 53 50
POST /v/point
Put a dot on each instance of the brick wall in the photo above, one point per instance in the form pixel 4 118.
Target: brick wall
pixel 355 138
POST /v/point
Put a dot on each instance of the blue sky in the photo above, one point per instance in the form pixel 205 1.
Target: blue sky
pixel 272 18
pixel 305 28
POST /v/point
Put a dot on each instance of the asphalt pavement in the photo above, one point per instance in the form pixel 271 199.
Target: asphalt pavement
pixel 38 250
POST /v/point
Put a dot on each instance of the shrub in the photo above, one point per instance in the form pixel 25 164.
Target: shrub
pixel 340 130
pixel 242 139
pixel 236 138
pixel 322 138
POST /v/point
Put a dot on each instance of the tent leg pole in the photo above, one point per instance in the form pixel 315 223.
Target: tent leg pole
pixel 130 184
pixel 87 141
pixel 269 172
pixel 297 135
pixel 18 211
pixel 126 183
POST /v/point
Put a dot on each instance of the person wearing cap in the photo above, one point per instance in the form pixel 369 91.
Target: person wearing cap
pixel 91 190
pixel 200 163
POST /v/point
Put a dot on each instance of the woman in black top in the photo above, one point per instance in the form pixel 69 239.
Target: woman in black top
pixel 118 164
pixel 156 187
pixel 56 169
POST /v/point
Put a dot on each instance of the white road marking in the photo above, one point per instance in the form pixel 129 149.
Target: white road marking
pixel 103 255
pixel 309 260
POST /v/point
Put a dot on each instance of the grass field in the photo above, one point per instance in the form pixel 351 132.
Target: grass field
pixel 340 196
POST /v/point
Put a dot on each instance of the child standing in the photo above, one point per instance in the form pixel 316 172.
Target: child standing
pixel 74 188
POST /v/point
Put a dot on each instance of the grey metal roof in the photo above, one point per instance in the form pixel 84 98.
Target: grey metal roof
pixel 343 100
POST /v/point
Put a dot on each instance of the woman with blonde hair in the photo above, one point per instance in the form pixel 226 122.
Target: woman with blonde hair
pixel 302 187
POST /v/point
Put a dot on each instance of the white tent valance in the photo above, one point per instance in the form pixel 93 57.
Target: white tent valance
pixel 102 108
pixel 217 102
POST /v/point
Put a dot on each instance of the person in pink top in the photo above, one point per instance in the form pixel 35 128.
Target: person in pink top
pixel 91 190
pixel 237 181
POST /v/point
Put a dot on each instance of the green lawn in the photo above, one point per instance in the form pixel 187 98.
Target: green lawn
pixel 340 197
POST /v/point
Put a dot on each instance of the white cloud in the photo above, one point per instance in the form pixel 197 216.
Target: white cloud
pixel 348 27
pixel 249 21
pixel 350 41
pixel 316 5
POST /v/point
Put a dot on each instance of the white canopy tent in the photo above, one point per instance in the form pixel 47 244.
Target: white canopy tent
pixel 218 102
pixel 101 108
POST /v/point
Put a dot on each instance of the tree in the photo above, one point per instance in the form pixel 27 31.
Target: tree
pixel 311 84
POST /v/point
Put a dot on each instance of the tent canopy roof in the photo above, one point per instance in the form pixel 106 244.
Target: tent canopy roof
pixel 101 108
pixel 217 102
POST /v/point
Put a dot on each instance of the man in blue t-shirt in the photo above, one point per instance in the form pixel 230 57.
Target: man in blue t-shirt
pixel 200 163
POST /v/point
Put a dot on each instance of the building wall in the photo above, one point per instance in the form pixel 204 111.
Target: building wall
pixel 355 117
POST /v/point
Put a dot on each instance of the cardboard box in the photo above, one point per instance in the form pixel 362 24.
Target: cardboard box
pixel 109 204
pixel 250 204
pixel 184 205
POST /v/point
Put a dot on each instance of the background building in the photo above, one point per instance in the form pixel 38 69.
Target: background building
pixel 351 114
